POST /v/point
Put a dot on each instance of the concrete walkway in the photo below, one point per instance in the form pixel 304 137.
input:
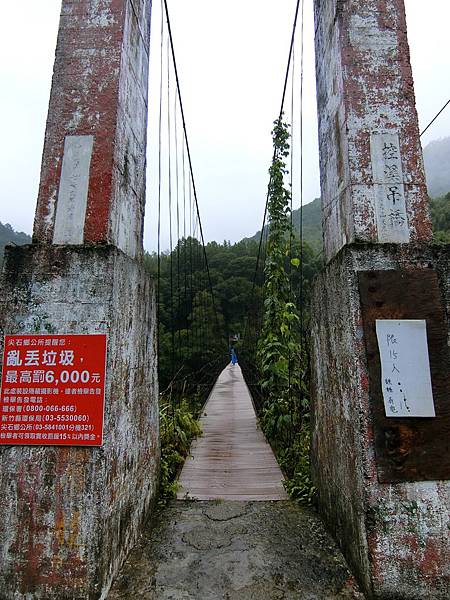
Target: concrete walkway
pixel 228 549
pixel 235 551
pixel 231 460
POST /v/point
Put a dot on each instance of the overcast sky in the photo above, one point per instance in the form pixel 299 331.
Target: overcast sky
pixel 231 58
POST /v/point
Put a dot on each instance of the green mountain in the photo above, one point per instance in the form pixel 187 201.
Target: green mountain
pixel 312 224
pixel 437 166
pixel 9 236
pixel 440 215
pixel 312 219
pixel 436 157
pixel 437 162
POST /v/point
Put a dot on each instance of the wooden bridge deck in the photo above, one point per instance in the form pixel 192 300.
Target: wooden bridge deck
pixel 232 460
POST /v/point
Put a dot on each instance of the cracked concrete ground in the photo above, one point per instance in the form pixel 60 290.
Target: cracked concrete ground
pixel 235 551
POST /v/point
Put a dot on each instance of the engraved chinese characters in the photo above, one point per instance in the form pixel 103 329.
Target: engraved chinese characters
pixel 53 389
pixel 405 368
pixel 390 207
pixel 73 190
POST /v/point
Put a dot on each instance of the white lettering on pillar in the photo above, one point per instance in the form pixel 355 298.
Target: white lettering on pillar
pixel 73 190
pixel 389 191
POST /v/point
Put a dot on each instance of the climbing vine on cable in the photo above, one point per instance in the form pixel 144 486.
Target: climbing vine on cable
pixel 280 356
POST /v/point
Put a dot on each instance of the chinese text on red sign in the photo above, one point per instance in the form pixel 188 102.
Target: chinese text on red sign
pixel 53 389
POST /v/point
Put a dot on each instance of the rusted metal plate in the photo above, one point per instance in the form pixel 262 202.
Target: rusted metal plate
pixel 408 449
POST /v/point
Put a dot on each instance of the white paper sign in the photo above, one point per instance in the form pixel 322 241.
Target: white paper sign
pixel 405 368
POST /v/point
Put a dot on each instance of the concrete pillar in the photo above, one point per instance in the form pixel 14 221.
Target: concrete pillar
pixel 97 125
pixel 365 98
pixel 383 481
pixel 71 514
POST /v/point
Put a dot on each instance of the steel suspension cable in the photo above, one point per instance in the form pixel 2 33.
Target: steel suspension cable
pixel 178 228
pixel 291 185
pixel 434 118
pixel 158 288
pixel 301 171
pixel 186 308
pixel 169 29
pixel 286 78
pixel 191 265
pixel 196 264
pixel 169 130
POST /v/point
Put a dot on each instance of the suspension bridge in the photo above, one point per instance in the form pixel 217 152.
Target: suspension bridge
pixel 226 534
pixel 232 460
pixel 197 310
pixel 110 352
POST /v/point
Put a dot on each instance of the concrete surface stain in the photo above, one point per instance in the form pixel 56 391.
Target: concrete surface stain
pixel 211 550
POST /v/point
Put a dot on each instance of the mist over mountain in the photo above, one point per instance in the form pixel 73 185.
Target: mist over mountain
pixel 437 166
pixel 436 156
pixel 311 216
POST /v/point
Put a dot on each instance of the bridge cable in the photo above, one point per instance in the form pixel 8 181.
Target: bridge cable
pixel 434 118
pixel 286 78
pixel 186 316
pixel 194 251
pixel 178 227
pixel 302 56
pixel 169 132
pixel 291 185
pixel 158 292
pixel 169 29
pixel 195 262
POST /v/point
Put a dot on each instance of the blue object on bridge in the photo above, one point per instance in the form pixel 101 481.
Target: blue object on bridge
pixel 233 356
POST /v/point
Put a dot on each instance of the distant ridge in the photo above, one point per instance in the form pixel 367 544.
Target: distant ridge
pixel 9 236
pixel 436 156
pixel 312 224
pixel 437 166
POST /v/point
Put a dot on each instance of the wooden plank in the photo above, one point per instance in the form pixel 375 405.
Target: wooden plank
pixel 408 449
pixel 232 460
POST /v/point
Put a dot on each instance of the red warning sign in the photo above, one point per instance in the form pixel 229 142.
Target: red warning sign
pixel 53 390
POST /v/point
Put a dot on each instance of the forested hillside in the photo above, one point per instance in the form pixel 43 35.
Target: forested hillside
pixel 312 221
pixel 312 224
pixel 184 295
pixel 8 236
pixel 185 299
pixel 440 215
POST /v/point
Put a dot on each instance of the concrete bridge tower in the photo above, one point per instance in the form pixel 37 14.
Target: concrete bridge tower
pixel 381 428
pixel 71 512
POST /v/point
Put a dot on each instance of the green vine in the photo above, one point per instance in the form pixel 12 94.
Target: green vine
pixel 280 356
